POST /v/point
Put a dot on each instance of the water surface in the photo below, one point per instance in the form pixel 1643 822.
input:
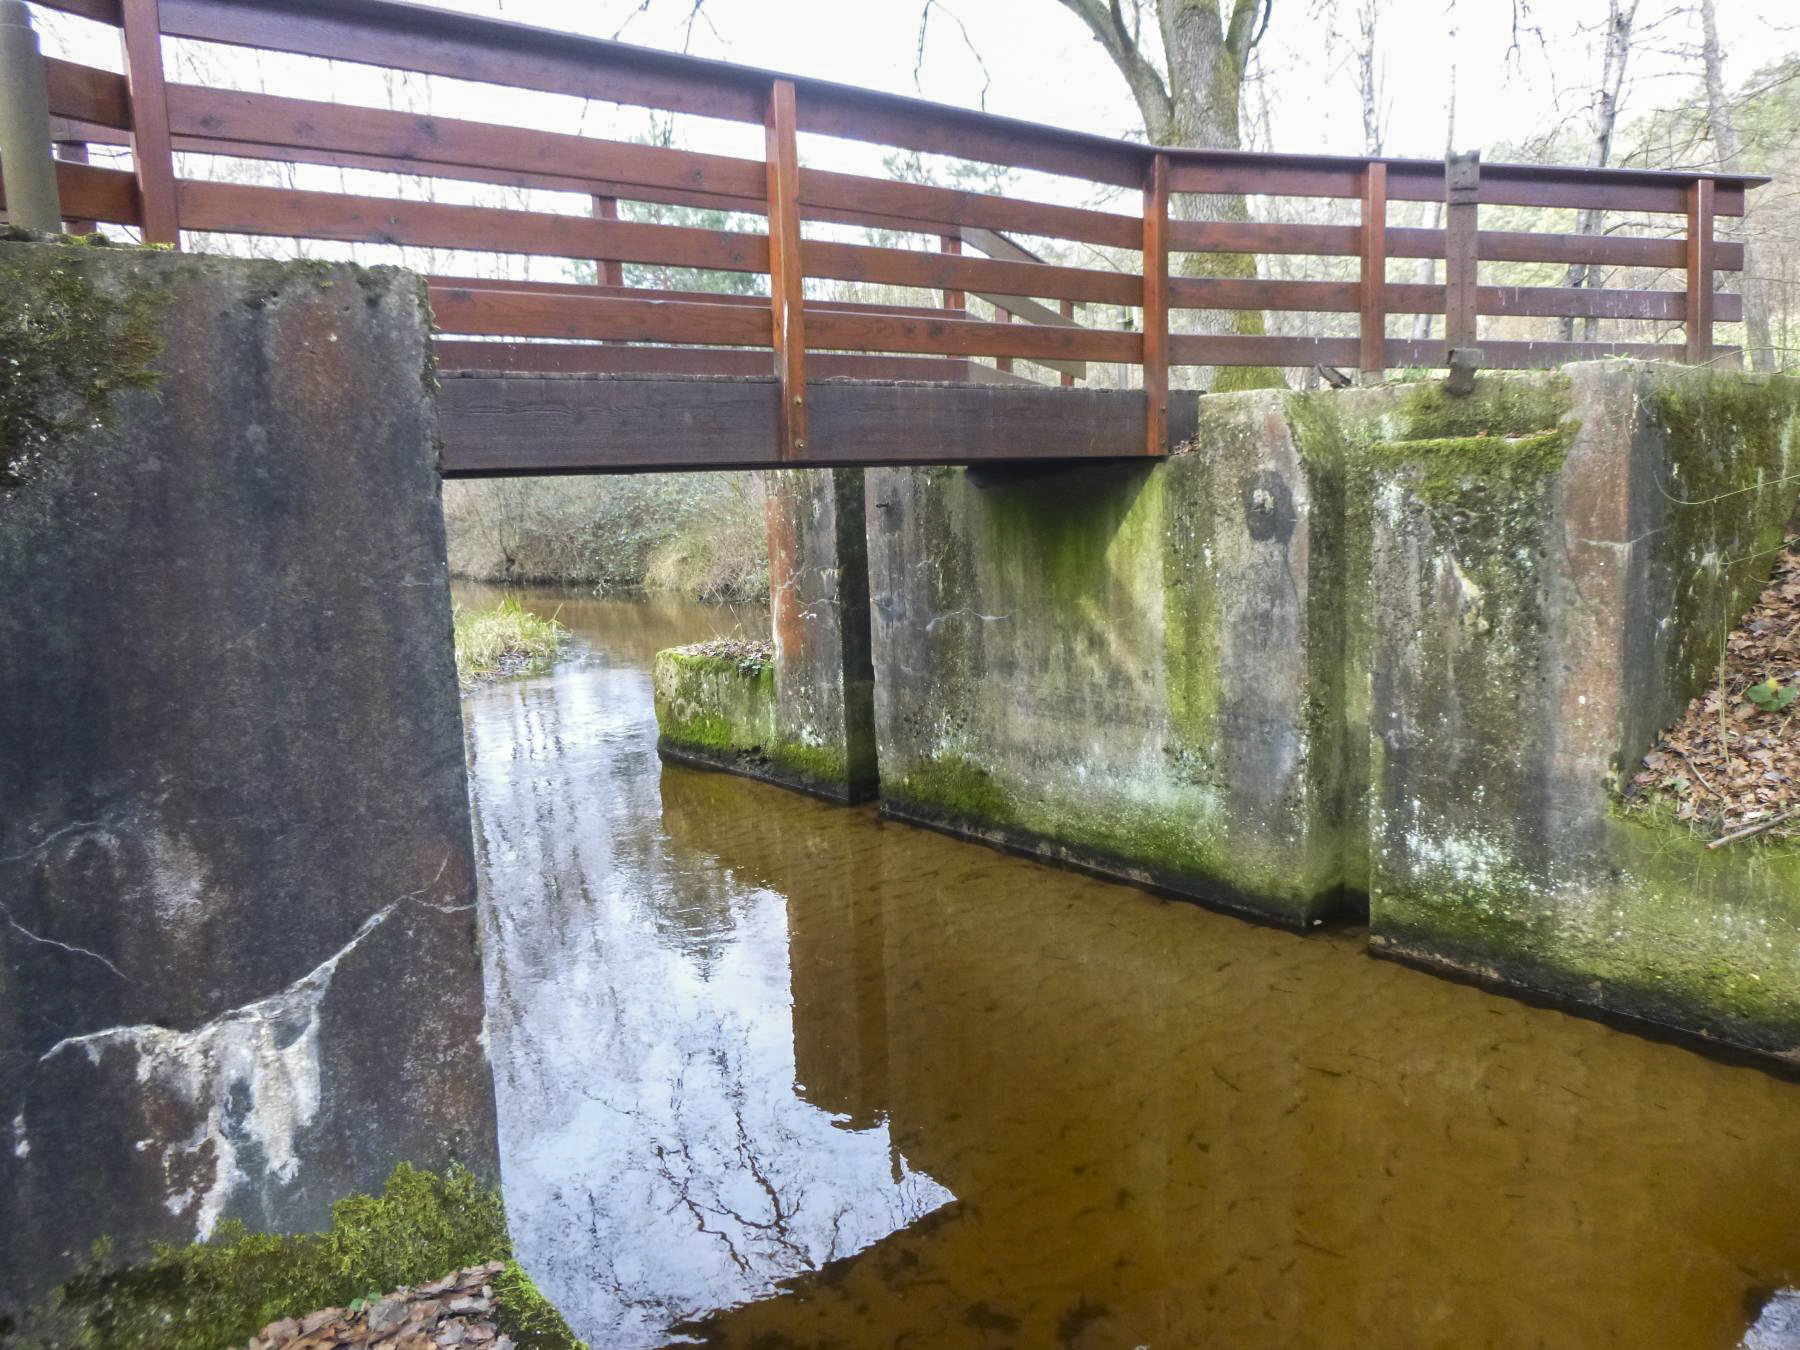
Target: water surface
pixel 774 1073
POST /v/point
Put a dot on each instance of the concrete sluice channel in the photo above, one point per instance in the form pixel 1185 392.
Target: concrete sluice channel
pixel 772 1072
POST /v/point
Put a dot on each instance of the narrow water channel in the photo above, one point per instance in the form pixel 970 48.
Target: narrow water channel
pixel 773 1073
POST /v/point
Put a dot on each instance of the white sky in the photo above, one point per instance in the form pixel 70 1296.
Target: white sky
pixel 1042 65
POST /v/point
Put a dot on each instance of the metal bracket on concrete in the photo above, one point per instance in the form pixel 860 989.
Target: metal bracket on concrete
pixel 1464 362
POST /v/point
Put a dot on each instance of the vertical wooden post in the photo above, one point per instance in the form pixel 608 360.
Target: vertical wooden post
pixel 786 270
pixel 1462 267
pixel 1156 307
pixel 1003 363
pixel 76 152
pixel 608 271
pixel 1067 309
pixel 1372 296
pixel 152 156
pixel 1700 272
pixel 951 243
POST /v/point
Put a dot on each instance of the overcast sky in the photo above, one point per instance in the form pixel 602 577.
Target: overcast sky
pixel 1041 64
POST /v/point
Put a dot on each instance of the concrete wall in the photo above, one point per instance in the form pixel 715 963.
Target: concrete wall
pixel 807 720
pixel 241 975
pixel 1377 649
pixel 1131 667
pixel 1541 607
pixel 1379 643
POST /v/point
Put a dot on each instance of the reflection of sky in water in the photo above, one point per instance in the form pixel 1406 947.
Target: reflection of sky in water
pixel 723 1018
pixel 658 1160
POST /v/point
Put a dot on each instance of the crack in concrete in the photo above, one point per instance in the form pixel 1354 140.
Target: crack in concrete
pixel 21 929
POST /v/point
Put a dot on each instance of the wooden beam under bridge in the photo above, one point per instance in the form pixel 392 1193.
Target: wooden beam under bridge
pixel 495 424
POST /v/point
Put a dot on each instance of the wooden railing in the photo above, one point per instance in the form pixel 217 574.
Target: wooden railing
pixel 609 327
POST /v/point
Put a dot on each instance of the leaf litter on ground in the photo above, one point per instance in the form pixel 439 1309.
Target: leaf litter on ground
pixel 1732 761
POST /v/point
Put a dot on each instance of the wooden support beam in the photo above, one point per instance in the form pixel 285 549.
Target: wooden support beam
pixel 1156 307
pixel 1373 288
pixel 785 269
pixel 75 152
pixel 611 272
pixel 1700 272
pixel 1462 273
pixel 152 155
pixel 950 243
pixel 1067 310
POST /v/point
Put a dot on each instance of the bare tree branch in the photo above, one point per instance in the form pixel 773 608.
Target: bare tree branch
pixel 1107 24
pixel 987 80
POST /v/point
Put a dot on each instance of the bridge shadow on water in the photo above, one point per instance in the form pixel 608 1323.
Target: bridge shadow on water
pixel 775 1073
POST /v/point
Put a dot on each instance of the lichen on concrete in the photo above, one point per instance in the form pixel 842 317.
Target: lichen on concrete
pixel 72 338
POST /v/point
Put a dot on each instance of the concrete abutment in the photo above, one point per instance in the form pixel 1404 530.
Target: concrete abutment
pixel 236 873
pixel 1375 648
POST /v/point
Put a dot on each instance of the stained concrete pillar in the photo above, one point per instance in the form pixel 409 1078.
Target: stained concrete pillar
pixel 1553 565
pixel 806 719
pixel 819 598
pixel 236 875
pixel 1135 668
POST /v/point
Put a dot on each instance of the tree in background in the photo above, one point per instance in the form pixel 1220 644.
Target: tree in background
pixel 1188 84
pixel 1722 125
pixel 1621 17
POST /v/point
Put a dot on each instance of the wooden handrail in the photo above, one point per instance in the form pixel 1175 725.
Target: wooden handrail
pixel 1034 298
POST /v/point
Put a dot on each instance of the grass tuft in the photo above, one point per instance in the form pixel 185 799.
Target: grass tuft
pixel 507 639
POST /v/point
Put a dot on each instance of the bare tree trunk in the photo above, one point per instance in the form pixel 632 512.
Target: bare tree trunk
pixel 1725 143
pixel 1621 15
pixel 1194 101
pixel 1427 273
pixel 1367 79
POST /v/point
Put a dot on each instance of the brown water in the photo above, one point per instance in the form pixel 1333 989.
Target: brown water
pixel 796 1076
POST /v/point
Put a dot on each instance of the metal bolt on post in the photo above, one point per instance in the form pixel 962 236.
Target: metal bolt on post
pixel 27 166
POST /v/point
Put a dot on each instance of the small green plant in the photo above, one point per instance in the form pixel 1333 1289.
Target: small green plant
pixel 1772 696
pixel 506 639
pixel 220 1292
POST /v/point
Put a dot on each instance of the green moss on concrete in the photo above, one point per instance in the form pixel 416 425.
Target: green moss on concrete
pixel 223 1291
pixel 1735 456
pixel 1174 844
pixel 817 766
pixel 69 347
pixel 1671 932
pixel 1502 406
pixel 721 709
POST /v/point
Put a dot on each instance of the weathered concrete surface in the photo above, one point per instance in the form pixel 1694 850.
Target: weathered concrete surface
pixel 716 709
pixel 1540 607
pixel 1134 668
pixel 238 937
pixel 819 595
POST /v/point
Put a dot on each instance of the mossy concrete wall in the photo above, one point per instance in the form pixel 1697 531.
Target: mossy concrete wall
pixel 1380 646
pixel 819 598
pixel 1542 600
pixel 716 709
pixel 806 719
pixel 1132 667
pixel 236 875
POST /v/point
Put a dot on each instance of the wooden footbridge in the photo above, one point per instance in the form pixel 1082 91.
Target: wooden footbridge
pixel 981 339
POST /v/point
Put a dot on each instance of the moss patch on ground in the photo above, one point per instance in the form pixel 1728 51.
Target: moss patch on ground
pixel 223 1291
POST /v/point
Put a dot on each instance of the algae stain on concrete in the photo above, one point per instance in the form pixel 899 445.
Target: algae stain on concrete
pixel 68 347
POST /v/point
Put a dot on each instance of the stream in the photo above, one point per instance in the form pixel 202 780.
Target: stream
pixel 774 1073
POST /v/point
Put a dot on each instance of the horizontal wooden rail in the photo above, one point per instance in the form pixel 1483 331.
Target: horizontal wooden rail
pixel 919 313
